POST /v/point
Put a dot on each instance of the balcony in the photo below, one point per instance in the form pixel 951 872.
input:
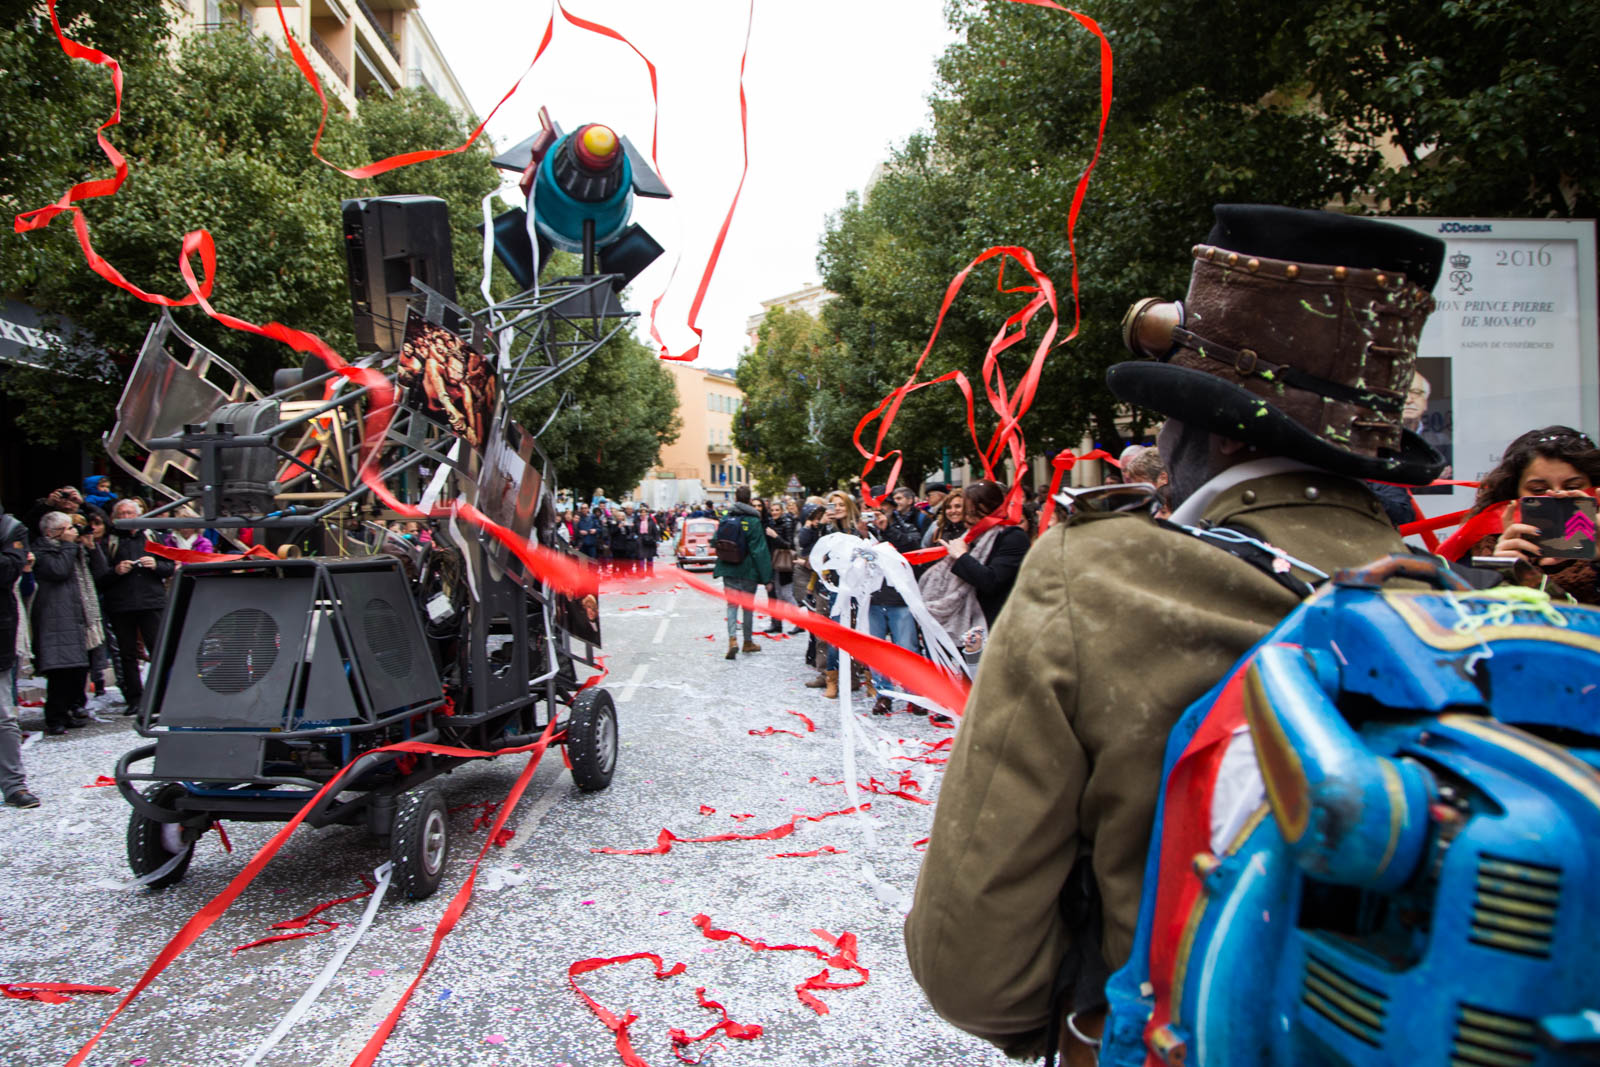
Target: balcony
pixel 417 79
pixel 716 448
pixel 329 58
pixel 370 73
pixel 383 34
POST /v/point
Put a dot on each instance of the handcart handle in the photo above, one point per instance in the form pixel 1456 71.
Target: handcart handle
pixel 1418 568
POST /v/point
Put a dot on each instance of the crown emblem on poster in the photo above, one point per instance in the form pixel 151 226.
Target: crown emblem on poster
pixel 1460 276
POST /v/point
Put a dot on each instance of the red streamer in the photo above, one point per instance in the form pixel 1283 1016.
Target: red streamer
pixel 825 850
pixel 872 785
pixel 52 992
pixel 738 1031
pixel 666 838
pixel 841 955
pixel 303 922
pixel 617 1026
pixel 1009 408
pixel 693 352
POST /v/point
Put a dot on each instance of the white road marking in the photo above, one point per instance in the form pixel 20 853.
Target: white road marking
pixel 633 683
pixel 661 632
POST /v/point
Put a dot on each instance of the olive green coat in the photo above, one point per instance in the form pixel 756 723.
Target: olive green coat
pixel 1114 628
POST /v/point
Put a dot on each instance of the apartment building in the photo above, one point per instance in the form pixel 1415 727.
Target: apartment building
pixel 703 463
pixel 358 47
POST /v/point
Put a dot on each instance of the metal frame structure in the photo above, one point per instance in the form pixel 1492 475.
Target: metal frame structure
pixel 504 644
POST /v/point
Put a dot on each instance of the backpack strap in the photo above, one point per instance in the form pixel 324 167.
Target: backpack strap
pixel 1244 543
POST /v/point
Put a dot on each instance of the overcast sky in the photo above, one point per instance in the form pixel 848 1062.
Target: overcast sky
pixel 831 86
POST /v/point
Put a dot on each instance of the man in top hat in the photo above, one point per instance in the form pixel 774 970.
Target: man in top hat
pixel 1283 374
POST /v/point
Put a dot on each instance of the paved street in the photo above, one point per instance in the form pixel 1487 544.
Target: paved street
pixel 498 992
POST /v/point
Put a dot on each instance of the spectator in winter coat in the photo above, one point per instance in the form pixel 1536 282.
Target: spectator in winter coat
pixel 97 492
pixel 840 515
pixel 648 529
pixel 189 538
pixel 67 500
pixel 779 528
pixel 1553 461
pixel 905 505
pixel 588 532
pixel 13 558
pixel 990 564
pixel 948 520
pixel 748 575
pixel 60 623
pixel 625 540
pixel 133 591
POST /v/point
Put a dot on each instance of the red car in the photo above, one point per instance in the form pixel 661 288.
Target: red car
pixel 695 548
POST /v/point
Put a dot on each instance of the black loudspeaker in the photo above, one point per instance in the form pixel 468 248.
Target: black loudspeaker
pixel 272 645
pixel 388 240
pixel 249 475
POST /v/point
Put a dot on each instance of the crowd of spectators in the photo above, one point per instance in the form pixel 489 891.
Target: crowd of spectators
pixel 84 600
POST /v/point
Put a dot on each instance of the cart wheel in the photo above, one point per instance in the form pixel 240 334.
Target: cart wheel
pixel 420 842
pixel 592 739
pixel 152 845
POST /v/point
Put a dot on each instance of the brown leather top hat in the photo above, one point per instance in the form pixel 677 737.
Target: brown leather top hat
pixel 1298 335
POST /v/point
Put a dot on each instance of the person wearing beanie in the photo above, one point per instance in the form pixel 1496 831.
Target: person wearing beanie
pixel 1282 374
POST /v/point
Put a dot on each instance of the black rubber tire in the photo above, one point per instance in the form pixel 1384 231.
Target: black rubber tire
pixel 592 739
pixel 419 844
pixel 146 851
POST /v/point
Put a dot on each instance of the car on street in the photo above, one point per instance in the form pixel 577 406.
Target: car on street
pixel 695 547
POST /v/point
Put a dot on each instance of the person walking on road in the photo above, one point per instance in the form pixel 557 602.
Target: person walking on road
pixel 743 564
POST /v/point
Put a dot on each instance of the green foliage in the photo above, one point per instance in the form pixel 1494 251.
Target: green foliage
pixel 789 422
pixel 616 411
pixel 1489 103
pixel 218 136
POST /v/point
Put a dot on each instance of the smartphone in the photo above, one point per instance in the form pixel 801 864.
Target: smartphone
pixel 1566 525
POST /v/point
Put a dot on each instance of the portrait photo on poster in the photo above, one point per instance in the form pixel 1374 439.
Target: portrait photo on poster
pixel 446 377
pixel 1428 413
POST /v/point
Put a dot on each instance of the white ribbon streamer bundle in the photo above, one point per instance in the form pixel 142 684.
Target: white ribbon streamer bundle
pixel 382 876
pixel 861 568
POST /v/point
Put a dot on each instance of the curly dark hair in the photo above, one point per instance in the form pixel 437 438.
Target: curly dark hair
pixel 1552 442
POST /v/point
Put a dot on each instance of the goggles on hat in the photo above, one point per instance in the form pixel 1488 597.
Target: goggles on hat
pixel 1108 499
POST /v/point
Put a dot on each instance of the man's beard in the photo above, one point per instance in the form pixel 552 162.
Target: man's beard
pixel 1186 450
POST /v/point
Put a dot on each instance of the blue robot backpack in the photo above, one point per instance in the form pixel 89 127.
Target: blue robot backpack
pixel 1420 883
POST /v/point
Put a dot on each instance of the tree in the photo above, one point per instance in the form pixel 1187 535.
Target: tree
pixel 218 137
pixel 1490 104
pixel 1485 106
pixel 787 422
pixel 612 415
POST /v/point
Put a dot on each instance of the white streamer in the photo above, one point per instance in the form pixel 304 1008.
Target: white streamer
pixel 862 567
pixel 488 255
pixel 382 875
pixel 144 879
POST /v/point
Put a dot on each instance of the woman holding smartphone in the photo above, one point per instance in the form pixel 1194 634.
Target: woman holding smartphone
pixel 1556 461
